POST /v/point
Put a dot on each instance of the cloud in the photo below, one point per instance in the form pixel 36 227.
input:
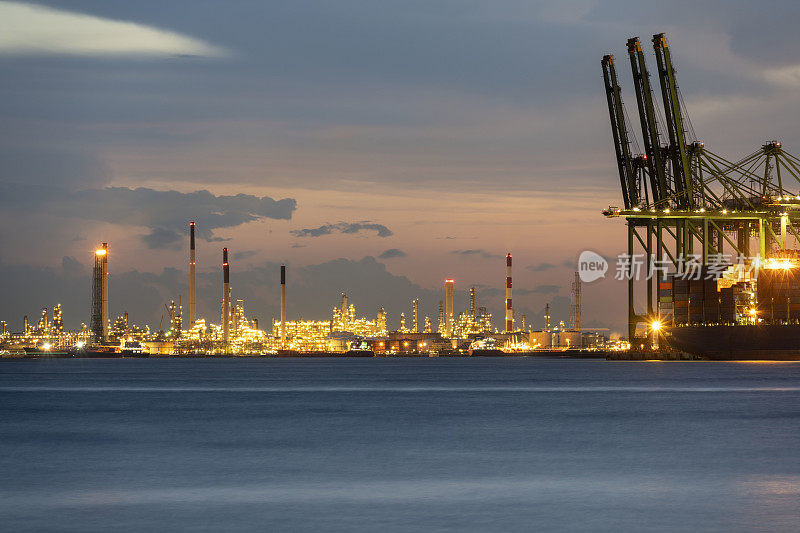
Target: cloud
pixel 392 253
pixel 343 227
pixel 543 289
pixel 478 253
pixel 36 30
pixel 244 254
pixel 538 289
pixel 43 165
pixel 163 239
pixel 165 213
pixel 541 267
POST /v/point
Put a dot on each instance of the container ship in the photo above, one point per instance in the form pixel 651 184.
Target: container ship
pixel 736 316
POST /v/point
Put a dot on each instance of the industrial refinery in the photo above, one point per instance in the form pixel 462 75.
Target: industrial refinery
pixel 345 332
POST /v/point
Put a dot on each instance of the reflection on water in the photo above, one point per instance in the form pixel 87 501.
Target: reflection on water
pixel 513 444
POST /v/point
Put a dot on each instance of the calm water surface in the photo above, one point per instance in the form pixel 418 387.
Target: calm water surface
pixel 511 444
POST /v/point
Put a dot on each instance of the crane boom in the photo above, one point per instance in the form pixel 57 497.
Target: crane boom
pixel 672 111
pixel 647 117
pixel 621 143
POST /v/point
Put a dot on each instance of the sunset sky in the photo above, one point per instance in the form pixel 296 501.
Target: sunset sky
pixel 376 147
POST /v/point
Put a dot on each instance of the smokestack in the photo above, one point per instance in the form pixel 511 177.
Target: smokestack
pixel 192 296
pixel 547 317
pixel 105 292
pixel 509 308
pixel 472 302
pixel 226 298
pixel 416 315
pixel 100 294
pixel 575 314
pixel 441 319
pixel 25 324
pixel 448 306
pixel 283 306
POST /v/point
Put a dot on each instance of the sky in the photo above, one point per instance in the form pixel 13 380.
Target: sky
pixel 376 147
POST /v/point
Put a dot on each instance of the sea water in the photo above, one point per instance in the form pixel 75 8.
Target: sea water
pixel 398 444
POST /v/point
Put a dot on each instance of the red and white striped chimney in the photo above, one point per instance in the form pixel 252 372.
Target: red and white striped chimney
pixel 509 309
pixel 226 298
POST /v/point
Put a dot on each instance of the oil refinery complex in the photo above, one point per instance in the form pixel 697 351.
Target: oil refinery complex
pixel 470 332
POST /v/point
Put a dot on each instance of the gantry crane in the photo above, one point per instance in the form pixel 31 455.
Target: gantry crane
pixel 680 196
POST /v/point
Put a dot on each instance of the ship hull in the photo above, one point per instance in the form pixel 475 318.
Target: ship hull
pixel 738 343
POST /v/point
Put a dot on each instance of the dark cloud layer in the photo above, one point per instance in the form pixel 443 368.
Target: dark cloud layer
pixel 166 213
pixel 344 227
pixel 543 266
pixel 244 254
pixel 477 253
pixel 392 253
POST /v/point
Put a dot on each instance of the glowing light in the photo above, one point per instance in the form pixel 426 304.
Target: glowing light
pixel 100 252
pixel 753 312
pixel 779 264
pixel 655 325
pixel 46 347
pixel 80 344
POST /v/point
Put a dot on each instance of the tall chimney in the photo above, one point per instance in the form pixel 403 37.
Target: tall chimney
pixel 509 309
pixel 192 296
pixel 472 302
pixel 448 306
pixel 575 311
pixel 442 329
pixel 283 306
pixel 226 298
pixel 416 315
pixel 547 317
pixel 100 294
pixel 105 292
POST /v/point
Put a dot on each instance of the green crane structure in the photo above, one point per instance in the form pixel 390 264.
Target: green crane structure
pixel 680 197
